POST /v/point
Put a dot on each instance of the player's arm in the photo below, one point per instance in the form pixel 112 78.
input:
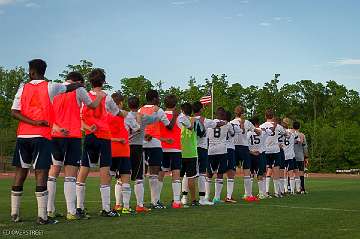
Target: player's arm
pixel 112 107
pixel 56 128
pixel 185 121
pixel 231 130
pixel 85 127
pixel 132 123
pixel 83 97
pixel 172 122
pixel 119 140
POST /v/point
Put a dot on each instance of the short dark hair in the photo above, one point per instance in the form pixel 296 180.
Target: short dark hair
pixel 296 125
pixel 97 77
pixel 221 113
pixel 197 106
pixel 117 97
pixel 186 108
pixel 228 115
pixel 38 65
pixel 255 120
pixel 170 101
pixel 269 113
pixel 133 102
pixel 75 76
pixel 151 95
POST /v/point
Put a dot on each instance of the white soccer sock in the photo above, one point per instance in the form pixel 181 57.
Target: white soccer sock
pixel 51 186
pixel 208 188
pixel 268 184
pixel 281 185
pixel 201 185
pixel 160 186
pixel 297 184
pixel 153 182
pixel 262 187
pixel 42 201
pixel 139 192
pixel 105 197
pixel 285 183
pixel 276 186
pixel 247 186
pixel 218 187
pixel 80 194
pixel 229 187
pixel 292 185
pixel 15 202
pixel 70 194
pixel 184 185
pixel 126 192
pixel 118 193
pixel 176 187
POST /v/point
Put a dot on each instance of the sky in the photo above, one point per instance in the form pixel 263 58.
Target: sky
pixel 171 40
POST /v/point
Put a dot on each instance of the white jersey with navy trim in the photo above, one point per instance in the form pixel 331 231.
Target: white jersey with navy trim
pixel 257 142
pixel 271 142
pixel 240 137
pixel 289 142
pixel 217 138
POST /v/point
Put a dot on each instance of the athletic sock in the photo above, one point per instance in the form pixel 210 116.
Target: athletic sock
pixel 118 193
pixel 126 194
pixel 302 182
pixel 153 182
pixel 16 195
pixel 184 185
pixel 208 187
pixel 292 184
pixel 268 184
pixel 70 194
pixel 176 187
pixel 276 186
pixel 105 197
pixel 297 184
pixel 51 186
pixel 262 187
pixel 201 185
pixel 139 192
pixel 281 185
pixel 42 201
pixel 80 194
pixel 218 187
pixel 247 186
pixel 160 186
pixel 229 187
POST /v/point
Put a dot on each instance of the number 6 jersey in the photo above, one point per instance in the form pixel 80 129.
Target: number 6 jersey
pixel 217 138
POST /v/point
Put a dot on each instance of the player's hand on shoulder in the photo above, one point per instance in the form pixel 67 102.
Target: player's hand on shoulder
pixel 101 94
pixel 156 108
pixel 221 123
pixel 41 123
pixel 93 128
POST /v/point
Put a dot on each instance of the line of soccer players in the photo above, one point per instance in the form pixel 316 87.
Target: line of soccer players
pixel 53 116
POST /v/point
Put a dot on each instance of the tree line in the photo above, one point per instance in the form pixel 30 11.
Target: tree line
pixel 329 113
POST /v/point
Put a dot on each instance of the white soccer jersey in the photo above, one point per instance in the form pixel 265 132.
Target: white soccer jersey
pixel 271 142
pixel 289 142
pixel 257 142
pixel 231 137
pixel 240 137
pixel 217 139
pixel 281 136
pixel 208 124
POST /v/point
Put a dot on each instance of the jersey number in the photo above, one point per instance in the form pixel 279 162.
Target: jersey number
pixel 280 139
pixel 286 142
pixel 255 139
pixel 217 132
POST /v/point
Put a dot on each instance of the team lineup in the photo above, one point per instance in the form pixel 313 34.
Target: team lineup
pixel 144 141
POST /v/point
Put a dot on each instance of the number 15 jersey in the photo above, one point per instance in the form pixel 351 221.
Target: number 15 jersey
pixel 257 142
pixel 218 138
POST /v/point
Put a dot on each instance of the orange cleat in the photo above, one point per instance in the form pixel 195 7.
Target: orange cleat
pixel 117 208
pixel 176 205
pixel 142 209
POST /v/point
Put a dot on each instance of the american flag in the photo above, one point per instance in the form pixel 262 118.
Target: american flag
pixel 205 100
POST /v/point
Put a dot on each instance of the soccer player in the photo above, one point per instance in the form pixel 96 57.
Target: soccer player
pixel 97 145
pixel 281 139
pixel 171 145
pixel 120 152
pixel 152 145
pixel 218 151
pixel 301 154
pixel 32 106
pixel 242 153
pixel 136 141
pixel 273 157
pixel 189 153
pixel 66 142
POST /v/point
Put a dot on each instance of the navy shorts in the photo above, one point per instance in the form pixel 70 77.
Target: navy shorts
pixel 231 163
pixel 36 151
pixel 189 167
pixel 153 156
pixel 242 156
pixel 273 160
pixel 300 165
pixel 290 164
pixel 171 161
pixel 120 165
pixel 218 163
pixel 203 160
pixel 96 150
pixel 137 162
pixel 66 151
pixel 282 159
pixel 258 164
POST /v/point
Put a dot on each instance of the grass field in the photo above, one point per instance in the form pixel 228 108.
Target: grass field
pixel 330 210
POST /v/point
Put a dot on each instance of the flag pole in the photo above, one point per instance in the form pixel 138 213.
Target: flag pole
pixel 212 100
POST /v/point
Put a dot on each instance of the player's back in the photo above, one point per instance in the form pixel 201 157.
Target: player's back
pixel 272 142
pixel 288 145
pixel 218 139
pixel 257 142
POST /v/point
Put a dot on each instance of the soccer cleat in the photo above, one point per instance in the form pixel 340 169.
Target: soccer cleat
pixel 230 200
pixel 72 217
pixel 118 208
pixel 205 202
pixel 54 215
pixel 82 213
pixel 303 192
pixel 15 218
pixel 262 196
pixel 247 198
pixel 176 205
pixel 49 221
pixel 277 195
pixel 142 209
pixel 161 205
pixel 254 199
pixel 195 203
pixel 113 213
pixel 184 200
pixel 217 201
pixel 127 211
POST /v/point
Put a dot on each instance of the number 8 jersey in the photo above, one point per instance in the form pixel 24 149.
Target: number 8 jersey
pixel 218 138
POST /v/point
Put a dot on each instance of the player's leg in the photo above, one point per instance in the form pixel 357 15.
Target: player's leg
pixel 282 179
pixel 269 171
pixel 261 176
pixel 154 159
pixel 176 180
pixel 276 175
pixel 231 170
pixel 191 172
pixel 165 167
pixel 297 178
pixel 221 169
pixel 301 175
pixel 114 171
pixel 247 176
pixel 203 163
pixel 125 172
pixel 291 174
